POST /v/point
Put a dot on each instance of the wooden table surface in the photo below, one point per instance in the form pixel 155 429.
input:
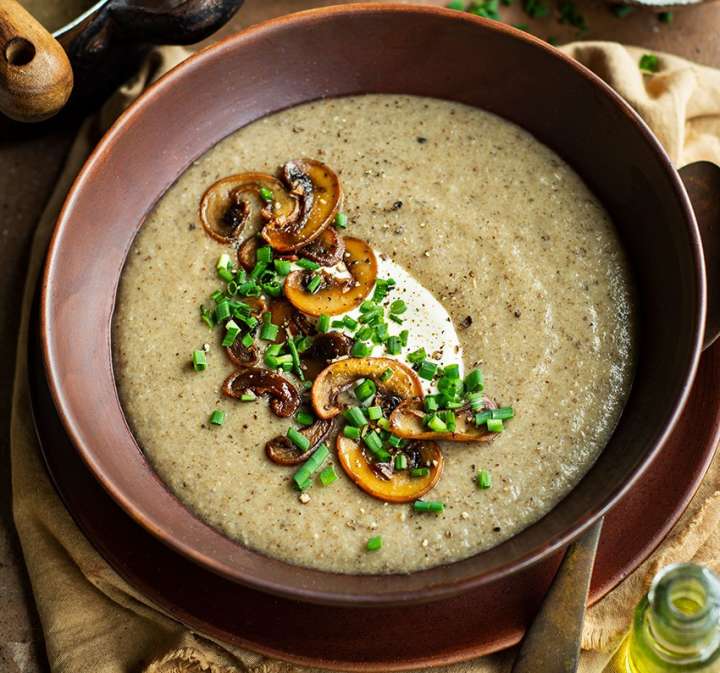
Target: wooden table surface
pixel 31 157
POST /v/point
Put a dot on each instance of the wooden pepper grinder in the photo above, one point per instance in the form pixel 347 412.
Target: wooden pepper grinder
pixel 35 74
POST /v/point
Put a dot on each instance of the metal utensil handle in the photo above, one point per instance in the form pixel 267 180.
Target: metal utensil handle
pixel 552 643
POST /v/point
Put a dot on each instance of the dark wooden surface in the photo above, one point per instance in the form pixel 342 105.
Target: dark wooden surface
pixel 31 157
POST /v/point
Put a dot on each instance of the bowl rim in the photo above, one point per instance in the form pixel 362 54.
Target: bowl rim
pixel 317 594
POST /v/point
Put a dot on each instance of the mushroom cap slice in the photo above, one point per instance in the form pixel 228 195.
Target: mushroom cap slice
pixel 406 421
pixel 246 356
pixel 284 398
pixel 400 486
pixel 283 452
pixel 325 348
pixel 247 253
pixel 338 376
pixel 229 204
pixel 336 295
pixel 318 188
pixel 327 249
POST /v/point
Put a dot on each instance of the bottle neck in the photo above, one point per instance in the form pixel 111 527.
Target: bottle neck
pixel 683 616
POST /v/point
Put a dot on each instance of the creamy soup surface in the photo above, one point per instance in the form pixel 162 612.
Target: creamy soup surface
pixel 54 14
pixel 508 239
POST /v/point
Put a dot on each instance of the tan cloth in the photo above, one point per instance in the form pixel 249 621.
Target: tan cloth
pixel 95 623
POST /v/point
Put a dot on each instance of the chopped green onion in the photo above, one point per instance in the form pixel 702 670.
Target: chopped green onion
pixel 313 285
pixel 341 221
pixel 393 345
pixel 303 344
pixel 232 287
pixel 323 323
pixel 374 543
pixel 295 358
pixel 247 340
pixel 351 432
pixel 248 320
pixel 304 418
pixel 420 472
pixel 365 390
pixel 373 442
pixel 417 356
pixel 431 403
pixel 349 322
pixel 383 423
pixel 451 387
pixel 307 264
pixel 364 333
pixel 404 336
pixel 248 396
pixel 503 413
pixel 427 370
pixel 224 262
pixel 222 312
pixel 452 371
pixel 474 381
pixel 264 254
pixel 249 289
pixel 217 296
pixel 240 276
pixel 269 332
pixel 436 424
pixel 217 417
pixel 398 307
pixel 207 317
pixel 375 413
pixel 226 275
pixel 282 266
pixel 300 440
pixel 328 476
pixel 484 479
pixel 386 375
pixel 273 288
pixel 495 424
pixel 428 506
pixel 258 270
pixel 381 333
pixel 483 417
pixel 274 349
pixel 361 350
pixel 337 324
pixel 397 319
pixel 449 419
pixel 477 401
pixel 303 476
pixel 649 63
pixel 199 361
pixel 355 416
pixel 456 4
pixel 232 329
pixel 401 461
pixel 368 306
pixel 395 441
pixel 266 194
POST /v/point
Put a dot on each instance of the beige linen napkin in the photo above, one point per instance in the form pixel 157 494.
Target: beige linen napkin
pixel 95 623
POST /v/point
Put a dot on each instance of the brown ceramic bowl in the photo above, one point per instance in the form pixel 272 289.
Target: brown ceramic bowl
pixel 349 50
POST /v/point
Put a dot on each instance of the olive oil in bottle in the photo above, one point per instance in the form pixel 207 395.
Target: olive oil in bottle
pixel 676 627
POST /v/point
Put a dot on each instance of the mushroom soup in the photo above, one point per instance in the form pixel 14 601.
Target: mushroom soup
pixel 374 334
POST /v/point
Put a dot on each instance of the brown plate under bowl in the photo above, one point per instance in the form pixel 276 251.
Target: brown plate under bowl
pixel 403 49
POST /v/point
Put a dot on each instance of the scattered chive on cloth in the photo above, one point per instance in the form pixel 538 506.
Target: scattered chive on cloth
pixel 94 622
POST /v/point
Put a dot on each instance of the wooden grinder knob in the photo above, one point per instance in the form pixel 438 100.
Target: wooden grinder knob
pixel 35 74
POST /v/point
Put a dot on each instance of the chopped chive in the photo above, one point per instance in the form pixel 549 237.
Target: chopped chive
pixel 373 442
pixel 386 375
pixel 456 4
pixel 240 276
pixel 349 322
pixel 355 416
pixel 313 285
pixel 282 266
pixel 483 417
pixel 232 287
pixel 398 307
pixel 341 221
pixel 307 264
pixel 232 329
pixel 274 288
pixel 452 371
pixel 417 356
pixel 303 476
pixel 248 396
pixel 374 543
pixel 401 461
pixel 249 321
pixel 365 390
pixel 300 440
pixel 428 506
pixel 226 275
pixel 224 262
pixel 484 479
pixel 274 349
pixel 199 361
pixel 337 324
pixel 258 270
pixel 295 358
pixel 361 350
pixel 303 344
pixel 474 381
pixel 477 401
pixel 420 472
pixel 368 306
pixel 217 417
pixel 427 370
pixel 364 333
pixel 217 296
pixel 453 388
pixel 266 194
pixel 207 317
pixel 374 413
pixel 381 333
pixel 393 345
pixel 304 418
pixel 249 289
pixel 495 425
pixel 328 476
pixel 397 319
pixel 269 332
pixel 503 413
pixel 264 254
pixel 649 63
pixel 307 385
pixel 351 432
pixel 323 324
pixel 436 424
pixel 383 423
pixel 404 336
pixel 448 417
pixel 431 403
pixel 396 442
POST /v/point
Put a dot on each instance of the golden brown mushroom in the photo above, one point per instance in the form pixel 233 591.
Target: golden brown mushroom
pixel 340 375
pixel 325 348
pixel 336 295
pixel 228 205
pixel 283 452
pixel 394 485
pixel 284 398
pixel 406 421
pixel 318 189
pixel 327 249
